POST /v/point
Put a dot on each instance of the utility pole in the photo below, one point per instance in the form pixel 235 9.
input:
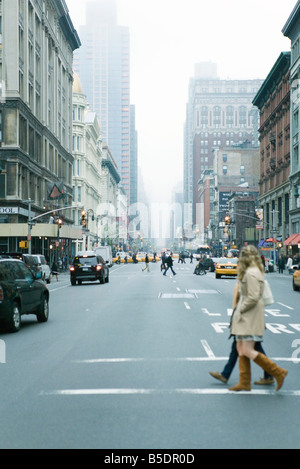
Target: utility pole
pixel 274 232
pixel 30 223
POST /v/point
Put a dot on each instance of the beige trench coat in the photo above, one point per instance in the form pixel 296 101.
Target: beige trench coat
pixel 249 315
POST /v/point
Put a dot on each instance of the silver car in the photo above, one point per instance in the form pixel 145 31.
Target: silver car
pixel 43 267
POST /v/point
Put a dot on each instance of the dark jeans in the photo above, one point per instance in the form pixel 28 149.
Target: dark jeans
pixel 169 267
pixel 233 359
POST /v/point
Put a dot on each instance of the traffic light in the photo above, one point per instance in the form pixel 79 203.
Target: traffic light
pixel 59 223
pixel 83 218
pixel 227 220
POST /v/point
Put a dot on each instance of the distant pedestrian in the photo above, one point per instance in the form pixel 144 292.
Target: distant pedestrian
pixel 191 257
pixel 289 265
pixel 248 321
pixel 169 262
pixel 163 261
pixel 146 264
pixel 281 264
pixel 54 270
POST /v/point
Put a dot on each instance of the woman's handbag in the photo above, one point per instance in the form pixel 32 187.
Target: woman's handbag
pixel 267 294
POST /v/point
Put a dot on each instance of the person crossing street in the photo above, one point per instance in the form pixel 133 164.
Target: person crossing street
pixel 169 262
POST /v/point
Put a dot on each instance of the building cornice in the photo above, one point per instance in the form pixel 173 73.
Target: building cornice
pixel 279 69
pixel 66 24
pixel 292 20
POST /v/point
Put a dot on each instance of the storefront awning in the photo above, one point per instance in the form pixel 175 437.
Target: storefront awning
pixel 272 240
pixel 292 240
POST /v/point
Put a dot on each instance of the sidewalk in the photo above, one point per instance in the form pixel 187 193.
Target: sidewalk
pixel 277 274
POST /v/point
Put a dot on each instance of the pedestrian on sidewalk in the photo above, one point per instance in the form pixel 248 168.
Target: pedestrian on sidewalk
pixel 281 264
pixel 169 262
pixel 289 265
pixel 248 321
pixel 146 264
pixel 233 357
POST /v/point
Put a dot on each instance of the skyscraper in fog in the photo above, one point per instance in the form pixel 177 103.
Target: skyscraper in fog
pixel 104 70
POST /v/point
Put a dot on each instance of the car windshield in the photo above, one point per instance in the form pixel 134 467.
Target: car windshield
pixel 228 260
pixel 85 260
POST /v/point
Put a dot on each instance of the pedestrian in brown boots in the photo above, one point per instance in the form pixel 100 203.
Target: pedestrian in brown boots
pixel 248 321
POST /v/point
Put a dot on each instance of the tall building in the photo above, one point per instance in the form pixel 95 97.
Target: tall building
pixel 291 30
pixel 103 65
pixel 36 55
pixel 219 113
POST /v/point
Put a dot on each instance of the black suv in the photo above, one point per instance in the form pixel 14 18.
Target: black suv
pixel 88 266
pixel 21 292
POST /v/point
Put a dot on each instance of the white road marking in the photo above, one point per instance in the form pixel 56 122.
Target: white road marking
pixel 176 295
pixel 208 292
pixel 205 311
pixel 59 288
pixel 187 305
pixel 210 357
pixel 145 391
pixel 286 306
pixel 207 349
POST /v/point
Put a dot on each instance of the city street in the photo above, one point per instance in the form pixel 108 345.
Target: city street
pixel 126 365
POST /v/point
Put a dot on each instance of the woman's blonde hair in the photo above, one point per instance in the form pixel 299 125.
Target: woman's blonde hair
pixel 249 257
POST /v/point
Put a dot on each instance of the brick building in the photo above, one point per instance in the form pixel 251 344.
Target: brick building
pixel 273 102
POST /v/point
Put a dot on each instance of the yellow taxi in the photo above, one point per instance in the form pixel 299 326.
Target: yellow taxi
pixel 226 266
pixel 296 279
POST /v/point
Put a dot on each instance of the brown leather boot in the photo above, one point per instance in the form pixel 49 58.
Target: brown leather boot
pixel 245 375
pixel 270 367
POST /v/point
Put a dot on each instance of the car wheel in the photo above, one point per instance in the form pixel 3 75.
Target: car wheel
pixel 15 323
pixel 107 278
pixel 43 313
pixel 218 276
pixel 101 280
pixel 295 288
pixel 73 282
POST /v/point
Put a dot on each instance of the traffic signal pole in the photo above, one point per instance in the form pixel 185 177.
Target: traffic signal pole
pixel 31 221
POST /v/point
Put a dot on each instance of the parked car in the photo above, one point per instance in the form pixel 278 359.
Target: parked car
pixel 43 267
pixel 226 266
pixel 28 259
pixel 88 266
pixel 296 279
pixel 21 292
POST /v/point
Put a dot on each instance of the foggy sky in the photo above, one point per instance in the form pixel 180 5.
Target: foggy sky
pixel 168 37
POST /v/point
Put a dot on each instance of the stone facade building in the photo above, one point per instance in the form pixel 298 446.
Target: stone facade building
pixel 219 114
pixel 36 55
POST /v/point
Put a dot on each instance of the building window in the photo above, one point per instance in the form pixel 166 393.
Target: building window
pixel 242 169
pixel 11 179
pixel 224 169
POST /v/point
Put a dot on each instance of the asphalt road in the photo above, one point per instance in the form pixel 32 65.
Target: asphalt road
pixel 125 365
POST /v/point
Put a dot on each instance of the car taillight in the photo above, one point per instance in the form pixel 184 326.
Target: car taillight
pixel 1 294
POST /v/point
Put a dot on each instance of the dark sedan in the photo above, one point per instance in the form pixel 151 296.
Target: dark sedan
pixel 21 292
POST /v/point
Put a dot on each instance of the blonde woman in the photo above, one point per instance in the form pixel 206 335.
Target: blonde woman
pixel 248 322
